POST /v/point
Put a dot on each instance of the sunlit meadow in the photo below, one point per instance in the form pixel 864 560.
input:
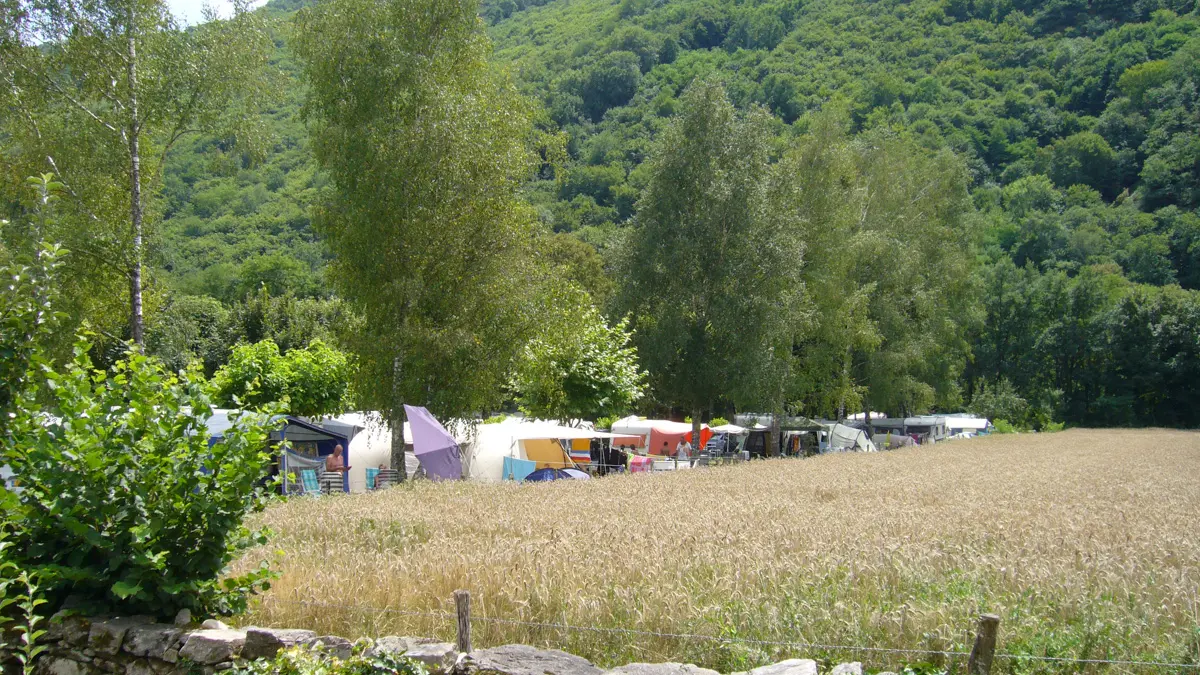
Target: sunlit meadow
pixel 1086 543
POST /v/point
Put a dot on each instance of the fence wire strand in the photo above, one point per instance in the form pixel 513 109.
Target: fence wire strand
pixel 720 638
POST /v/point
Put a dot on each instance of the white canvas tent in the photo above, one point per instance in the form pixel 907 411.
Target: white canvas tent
pixel 484 450
pixel 841 438
pixel 483 446
pixel 372 446
pixel 858 417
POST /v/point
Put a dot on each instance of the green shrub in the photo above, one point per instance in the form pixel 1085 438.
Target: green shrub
pixel 1051 427
pixel 605 422
pixel 303 661
pixel 313 381
pixel 495 419
pixel 1004 427
pixel 24 322
pixel 123 504
pixel 718 422
pixel 999 400
pixel 20 617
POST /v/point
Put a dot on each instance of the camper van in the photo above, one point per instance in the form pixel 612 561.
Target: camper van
pixel 925 427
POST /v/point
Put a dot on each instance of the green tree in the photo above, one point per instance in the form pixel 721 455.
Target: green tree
pixel 712 272
pixel 1084 158
pixel 1139 79
pixel 999 401
pixel 191 328
pixel 313 381
pixel 425 145
pixel 98 92
pixel 579 367
pixel 610 83
pixel 27 299
pixel 76 436
pixel 889 231
pixel 290 322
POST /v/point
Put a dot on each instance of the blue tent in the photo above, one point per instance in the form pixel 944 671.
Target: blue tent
pixel 290 428
pixel 557 474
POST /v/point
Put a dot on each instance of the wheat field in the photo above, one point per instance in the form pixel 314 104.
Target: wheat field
pixel 1086 543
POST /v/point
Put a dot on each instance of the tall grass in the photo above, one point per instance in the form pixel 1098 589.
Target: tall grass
pixel 1087 543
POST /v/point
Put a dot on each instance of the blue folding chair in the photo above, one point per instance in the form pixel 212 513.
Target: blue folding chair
pixel 308 480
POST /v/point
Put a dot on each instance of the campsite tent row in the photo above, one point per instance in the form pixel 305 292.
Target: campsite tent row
pixel 934 427
pixel 828 436
pixel 483 447
pixel 653 435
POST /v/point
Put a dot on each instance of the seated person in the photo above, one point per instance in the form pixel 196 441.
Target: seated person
pixel 379 480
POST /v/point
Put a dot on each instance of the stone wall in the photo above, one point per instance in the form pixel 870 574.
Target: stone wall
pixel 141 646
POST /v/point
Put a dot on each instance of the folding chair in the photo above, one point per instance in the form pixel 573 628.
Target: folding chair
pixel 309 483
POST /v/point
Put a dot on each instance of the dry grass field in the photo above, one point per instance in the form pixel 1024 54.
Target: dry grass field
pixel 1087 543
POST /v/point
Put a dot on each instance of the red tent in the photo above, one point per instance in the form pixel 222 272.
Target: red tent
pixel 671 433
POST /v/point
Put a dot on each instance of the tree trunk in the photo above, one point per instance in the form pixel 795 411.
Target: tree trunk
pixel 867 417
pixel 396 420
pixel 696 424
pixel 135 190
pixel 773 440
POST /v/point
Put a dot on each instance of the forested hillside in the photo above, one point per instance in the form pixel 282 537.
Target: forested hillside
pixel 1077 122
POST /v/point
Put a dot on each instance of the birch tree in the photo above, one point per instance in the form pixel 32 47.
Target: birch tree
pixel 889 229
pixel 97 92
pixel 426 146
pixel 712 270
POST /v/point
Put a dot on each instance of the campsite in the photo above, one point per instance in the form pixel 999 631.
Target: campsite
pixel 1085 539
pixel 514 448
pixel 367 337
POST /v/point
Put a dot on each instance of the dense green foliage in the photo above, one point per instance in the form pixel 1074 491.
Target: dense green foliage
pixel 197 328
pixel 1073 126
pixel 97 92
pixel 313 381
pixel 138 432
pixel 123 503
pixel 578 368
pixel 19 613
pixel 712 266
pixel 26 315
pixel 888 230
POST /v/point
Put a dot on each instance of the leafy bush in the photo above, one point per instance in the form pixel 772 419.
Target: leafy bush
pixel 1052 427
pixel 718 422
pixel 24 322
pixel 19 614
pixel 312 381
pixel 606 422
pixel 580 367
pixel 1004 427
pixel 302 661
pixel 495 419
pixel 999 401
pixel 123 503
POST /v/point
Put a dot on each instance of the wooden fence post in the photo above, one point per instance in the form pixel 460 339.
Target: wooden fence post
pixel 980 662
pixel 462 605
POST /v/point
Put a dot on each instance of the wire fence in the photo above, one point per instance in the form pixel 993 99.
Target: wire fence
pixel 794 644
